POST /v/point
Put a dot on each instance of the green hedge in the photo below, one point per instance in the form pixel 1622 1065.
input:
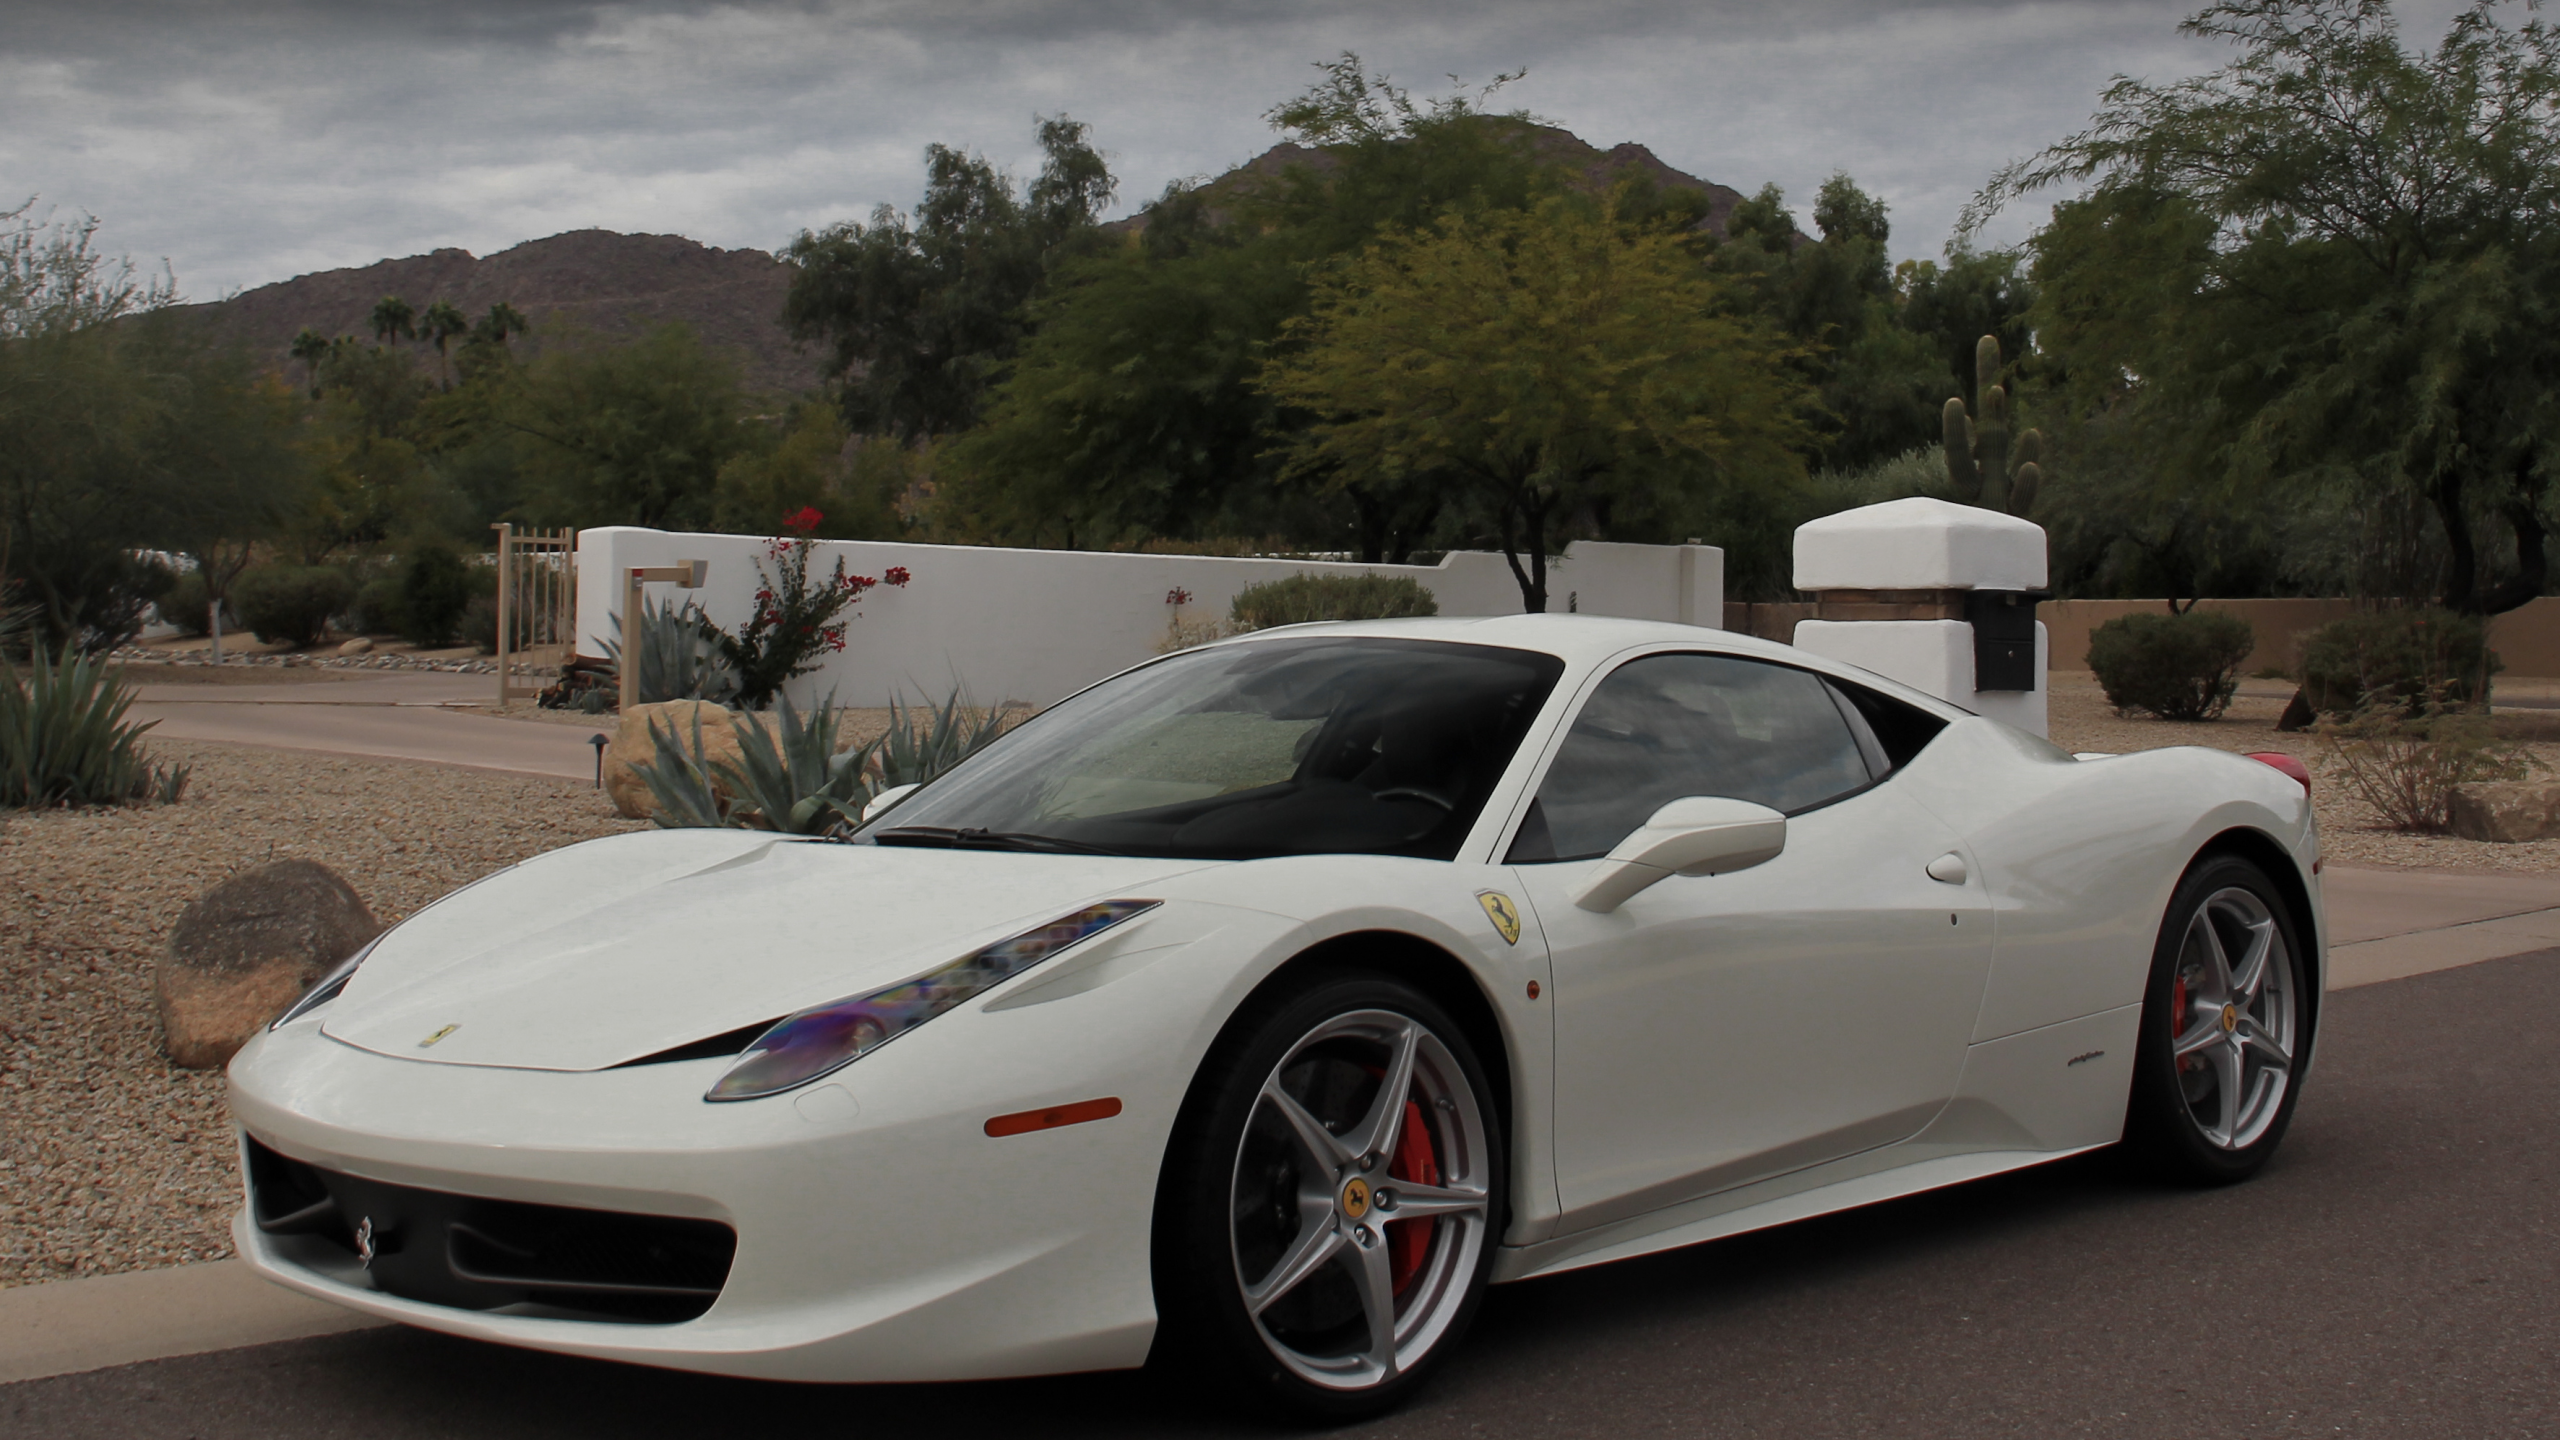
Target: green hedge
pixel 1301 599
pixel 2175 667
pixel 290 605
pixel 2404 655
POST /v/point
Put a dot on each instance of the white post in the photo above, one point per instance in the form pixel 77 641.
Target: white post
pixel 1936 595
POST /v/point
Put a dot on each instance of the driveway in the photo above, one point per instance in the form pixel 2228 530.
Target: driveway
pixel 2393 1273
pixel 392 714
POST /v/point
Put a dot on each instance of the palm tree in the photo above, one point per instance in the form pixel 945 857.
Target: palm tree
pixel 394 319
pixel 439 325
pixel 311 347
pixel 502 321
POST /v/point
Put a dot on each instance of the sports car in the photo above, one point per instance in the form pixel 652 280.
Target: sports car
pixel 1251 1011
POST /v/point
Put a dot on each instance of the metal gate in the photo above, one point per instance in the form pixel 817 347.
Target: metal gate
pixel 537 607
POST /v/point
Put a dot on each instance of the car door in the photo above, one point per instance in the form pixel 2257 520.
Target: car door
pixel 1716 1030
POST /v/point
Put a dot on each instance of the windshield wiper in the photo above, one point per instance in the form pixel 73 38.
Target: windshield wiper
pixel 961 838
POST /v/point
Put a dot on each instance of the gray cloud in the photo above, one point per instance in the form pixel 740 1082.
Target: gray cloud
pixel 248 143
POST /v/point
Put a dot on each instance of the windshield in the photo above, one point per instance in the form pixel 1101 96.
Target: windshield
pixel 1314 745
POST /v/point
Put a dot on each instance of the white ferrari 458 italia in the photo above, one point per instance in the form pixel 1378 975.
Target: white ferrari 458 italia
pixel 1251 1011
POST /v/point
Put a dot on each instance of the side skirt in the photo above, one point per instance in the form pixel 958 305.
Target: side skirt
pixel 2021 1100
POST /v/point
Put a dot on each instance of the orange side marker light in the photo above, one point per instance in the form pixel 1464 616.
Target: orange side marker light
pixel 1023 1122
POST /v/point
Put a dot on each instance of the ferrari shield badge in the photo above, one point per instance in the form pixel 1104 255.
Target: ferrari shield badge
pixel 1504 915
pixel 430 1040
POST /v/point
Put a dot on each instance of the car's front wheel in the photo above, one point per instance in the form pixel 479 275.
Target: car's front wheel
pixel 2226 1027
pixel 1330 1208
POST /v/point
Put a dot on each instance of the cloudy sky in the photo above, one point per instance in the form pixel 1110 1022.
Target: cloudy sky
pixel 252 140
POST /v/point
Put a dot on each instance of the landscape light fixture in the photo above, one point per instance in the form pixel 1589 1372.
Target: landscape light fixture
pixel 687 573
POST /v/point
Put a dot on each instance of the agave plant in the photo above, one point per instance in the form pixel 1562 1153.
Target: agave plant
pixel 64 738
pixel 681 781
pixel 796 781
pixel 680 655
pixel 929 739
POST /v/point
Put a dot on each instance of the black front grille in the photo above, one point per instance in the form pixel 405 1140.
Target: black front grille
pixel 477 1254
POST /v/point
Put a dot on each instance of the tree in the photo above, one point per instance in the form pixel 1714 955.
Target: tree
pixel 631 434
pixel 442 322
pixel 919 312
pixel 2350 266
pixel 231 473
pixel 310 347
pixel 394 319
pixel 1551 362
pixel 78 406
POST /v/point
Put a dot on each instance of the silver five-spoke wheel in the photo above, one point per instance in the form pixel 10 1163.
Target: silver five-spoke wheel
pixel 1361 1205
pixel 2232 1019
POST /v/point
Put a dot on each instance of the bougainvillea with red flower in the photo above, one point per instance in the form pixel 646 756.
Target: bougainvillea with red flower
pixel 796 623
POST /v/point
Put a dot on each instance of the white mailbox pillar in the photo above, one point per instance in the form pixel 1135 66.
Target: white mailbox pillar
pixel 1936 595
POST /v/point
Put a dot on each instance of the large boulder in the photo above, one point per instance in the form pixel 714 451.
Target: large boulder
pixel 247 949
pixel 2507 813
pixel 632 747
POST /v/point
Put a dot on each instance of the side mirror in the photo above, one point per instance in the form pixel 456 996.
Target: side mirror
pixel 884 800
pixel 1694 835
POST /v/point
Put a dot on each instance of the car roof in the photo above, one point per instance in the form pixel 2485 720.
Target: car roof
pixel 1589 640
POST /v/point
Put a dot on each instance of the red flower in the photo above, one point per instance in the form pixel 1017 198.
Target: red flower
pixel 1177 596
pixel 896 575
pixel 803 521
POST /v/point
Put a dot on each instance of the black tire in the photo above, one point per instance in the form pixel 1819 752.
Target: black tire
pixel 1241 1192
pixel 2181 1122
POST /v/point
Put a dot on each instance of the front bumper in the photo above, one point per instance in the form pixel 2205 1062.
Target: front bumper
pixel 881 1235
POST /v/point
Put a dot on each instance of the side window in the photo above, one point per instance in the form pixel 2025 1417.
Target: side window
pixel 1902 730
pixel 1665 726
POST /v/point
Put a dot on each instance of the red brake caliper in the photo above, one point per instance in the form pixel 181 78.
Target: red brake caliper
pixel 1409 1241
pixel 2178 1010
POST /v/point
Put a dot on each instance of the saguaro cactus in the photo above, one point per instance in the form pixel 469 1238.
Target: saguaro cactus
pixel 1988 468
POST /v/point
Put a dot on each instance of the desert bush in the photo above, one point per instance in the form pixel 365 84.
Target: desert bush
pixel 797 621
pixel 436 587
pixel 64 739
pixel 2174 667
pixel 187 606
pixel 793 778
pixel 680 654
pixel 376 610
pixel 927 740
pixel 1300 599
pixel 679 777
pixel 2406 766
pixel 290 605
pixel 479 625
pixel 2415 656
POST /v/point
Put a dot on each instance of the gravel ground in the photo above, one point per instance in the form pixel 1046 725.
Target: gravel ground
pixel 2350 832
pixel 110 1159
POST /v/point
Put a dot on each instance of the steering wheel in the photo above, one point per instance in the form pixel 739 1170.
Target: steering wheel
pixel 1416 792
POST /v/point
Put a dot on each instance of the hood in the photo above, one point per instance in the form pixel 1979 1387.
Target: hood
pixel 618 948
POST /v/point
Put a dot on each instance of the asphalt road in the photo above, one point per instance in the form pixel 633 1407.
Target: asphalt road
pixel 2392 1274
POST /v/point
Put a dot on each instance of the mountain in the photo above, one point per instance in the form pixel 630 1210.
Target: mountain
pixel 594 280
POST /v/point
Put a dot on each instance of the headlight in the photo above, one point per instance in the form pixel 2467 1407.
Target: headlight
pixel 826 1038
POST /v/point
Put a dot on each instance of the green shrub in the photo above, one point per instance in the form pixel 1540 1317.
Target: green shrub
pixel 377 606
pixel 479 625
pixel 1301 599
pixel 290 605
pixel 2406 655
pixel 2175 667
pixel 435 589
pixel 64 739
pixel 187 606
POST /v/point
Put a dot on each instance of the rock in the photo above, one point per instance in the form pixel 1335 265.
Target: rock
pixel 357 646
pixel 2507 813
pixel 632 746
pixel 247 949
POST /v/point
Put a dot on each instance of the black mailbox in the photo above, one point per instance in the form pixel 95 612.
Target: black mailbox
pixel 2004 637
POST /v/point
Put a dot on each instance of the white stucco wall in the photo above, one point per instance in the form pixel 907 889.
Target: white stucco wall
pixel 1035 625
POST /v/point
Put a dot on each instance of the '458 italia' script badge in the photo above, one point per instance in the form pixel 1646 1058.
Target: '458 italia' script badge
pixel 1504 915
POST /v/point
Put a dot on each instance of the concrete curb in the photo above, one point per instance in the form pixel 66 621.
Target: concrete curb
pixel 67 1326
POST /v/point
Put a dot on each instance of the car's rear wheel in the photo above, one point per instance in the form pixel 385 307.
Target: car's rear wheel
pixel 1331 1206
pixel 2226 1026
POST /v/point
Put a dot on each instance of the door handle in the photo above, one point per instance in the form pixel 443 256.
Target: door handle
pixel 1948 868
